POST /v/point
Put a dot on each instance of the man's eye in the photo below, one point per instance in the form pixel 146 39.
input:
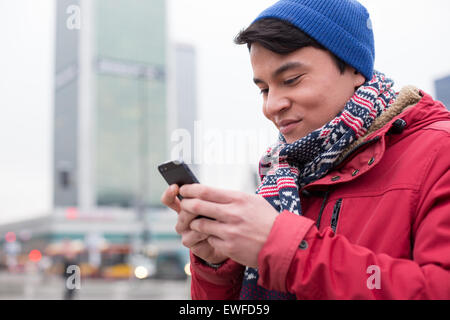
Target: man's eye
pixel 291 81
pixel 264 91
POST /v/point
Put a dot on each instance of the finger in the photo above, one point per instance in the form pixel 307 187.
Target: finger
pixel 184 220
pixel 192 238
pixel 216 243
pixel 204 208
pixel 169 198
pixel 209 227
pixel 206 193
pixel 202 249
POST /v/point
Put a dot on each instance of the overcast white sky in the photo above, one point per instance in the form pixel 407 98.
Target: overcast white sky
pixel 412 46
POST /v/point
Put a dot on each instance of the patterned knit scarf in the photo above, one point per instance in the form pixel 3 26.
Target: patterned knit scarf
pixel 286 168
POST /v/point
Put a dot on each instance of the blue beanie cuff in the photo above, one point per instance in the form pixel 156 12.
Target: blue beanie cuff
pixel 337 38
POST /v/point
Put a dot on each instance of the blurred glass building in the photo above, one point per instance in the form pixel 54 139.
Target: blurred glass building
pixel 110 103
pixel 443 91
pixel 120 90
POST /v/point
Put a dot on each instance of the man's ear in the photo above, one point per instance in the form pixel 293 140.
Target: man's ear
pixel 358 79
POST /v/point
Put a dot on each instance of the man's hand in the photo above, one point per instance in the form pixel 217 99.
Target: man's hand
pixel 242 222
pixel 191 239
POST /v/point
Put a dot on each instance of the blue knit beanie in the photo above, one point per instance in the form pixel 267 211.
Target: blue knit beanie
pixel 341 26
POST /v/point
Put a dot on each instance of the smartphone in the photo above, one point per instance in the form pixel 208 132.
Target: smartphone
pixel 177 172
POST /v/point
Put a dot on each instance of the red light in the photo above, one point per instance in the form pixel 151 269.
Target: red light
pixel 10 237
pixel 71 213
pixel 35 255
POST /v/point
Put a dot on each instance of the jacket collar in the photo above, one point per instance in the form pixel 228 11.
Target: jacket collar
pixel 407 98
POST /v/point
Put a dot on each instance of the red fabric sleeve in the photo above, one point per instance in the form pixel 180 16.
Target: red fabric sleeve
pixel 281 246
pixel 223 283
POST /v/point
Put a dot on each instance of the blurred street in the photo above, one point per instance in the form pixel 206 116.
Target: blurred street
pixel 33 286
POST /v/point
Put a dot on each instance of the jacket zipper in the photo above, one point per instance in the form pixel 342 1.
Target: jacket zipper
pixel 335 216
pixel 327 193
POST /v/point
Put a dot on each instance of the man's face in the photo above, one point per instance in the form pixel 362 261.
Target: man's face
pixel 302 91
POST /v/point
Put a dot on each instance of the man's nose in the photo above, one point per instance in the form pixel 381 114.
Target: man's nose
pixel 276 103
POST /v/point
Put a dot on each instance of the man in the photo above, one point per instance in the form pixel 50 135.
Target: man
pixel 354 198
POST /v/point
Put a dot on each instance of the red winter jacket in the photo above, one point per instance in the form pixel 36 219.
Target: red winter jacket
pixel 376 227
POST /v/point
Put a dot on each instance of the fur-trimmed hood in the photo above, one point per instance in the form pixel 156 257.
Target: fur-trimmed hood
pixel 407 98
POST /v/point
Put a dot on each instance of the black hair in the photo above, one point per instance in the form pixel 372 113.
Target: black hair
pixel 281 37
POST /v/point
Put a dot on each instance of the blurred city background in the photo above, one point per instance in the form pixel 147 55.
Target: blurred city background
pixel 95 94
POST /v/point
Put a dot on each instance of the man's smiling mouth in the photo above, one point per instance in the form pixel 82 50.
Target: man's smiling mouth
pixel 286 126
